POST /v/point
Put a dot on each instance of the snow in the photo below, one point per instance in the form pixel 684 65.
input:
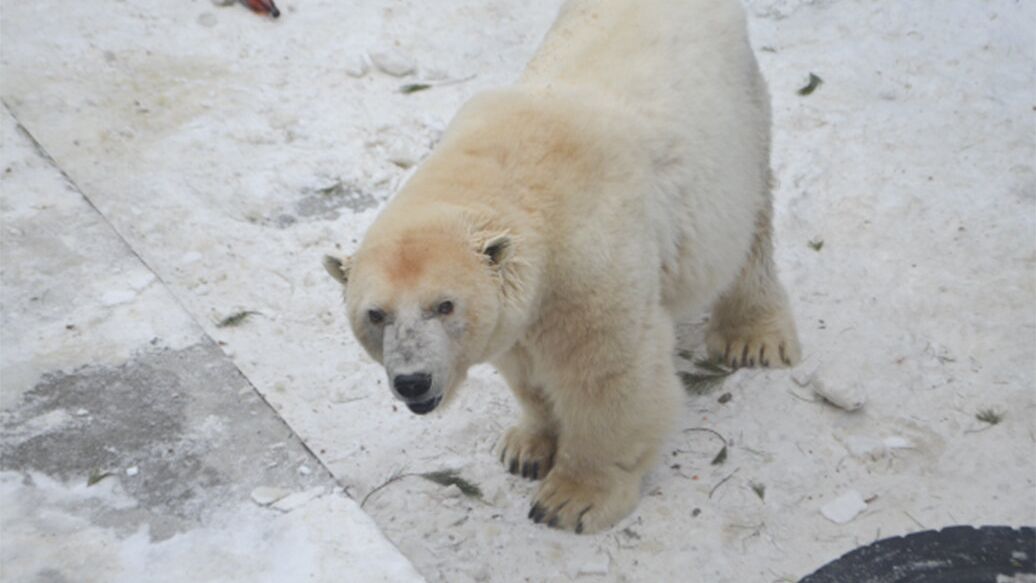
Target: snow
pixel 897 442
pixel 913 162
pixel 322 540
pixel 356 65
pixel 596 563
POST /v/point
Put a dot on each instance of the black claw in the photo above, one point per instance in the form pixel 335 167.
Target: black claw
pixel 751 362
pixel 764 362
pixel 532 511
pixel 538 513
pixel 535 473
pixel 762 355
pixel 744 354
pixel 579 519
pixel 514 466
pixel 784 358
pixel 525 470
pixel 556 515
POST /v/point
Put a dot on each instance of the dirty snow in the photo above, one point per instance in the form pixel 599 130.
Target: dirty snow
pixel 326 539
pixel 236 152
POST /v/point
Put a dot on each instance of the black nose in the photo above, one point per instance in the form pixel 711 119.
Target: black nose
pixel 412 386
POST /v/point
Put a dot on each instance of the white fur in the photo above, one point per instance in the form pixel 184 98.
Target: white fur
pixel 628 173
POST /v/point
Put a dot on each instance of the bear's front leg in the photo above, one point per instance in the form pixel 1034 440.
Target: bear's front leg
pixel 528 448
pixel 612 420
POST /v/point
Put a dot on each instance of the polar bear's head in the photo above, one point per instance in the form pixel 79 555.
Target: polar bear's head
pixel 427 303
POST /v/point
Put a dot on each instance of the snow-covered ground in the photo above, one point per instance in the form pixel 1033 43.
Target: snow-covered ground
pixel 231 151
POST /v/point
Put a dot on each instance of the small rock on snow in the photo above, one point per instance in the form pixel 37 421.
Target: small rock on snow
pixel 265 495
pixel 847 395
pixel 803 375
pixel 843 509
pixel 865 447
pixel 394 62
pixel 403 156
pixel 298 499
pixel 356 66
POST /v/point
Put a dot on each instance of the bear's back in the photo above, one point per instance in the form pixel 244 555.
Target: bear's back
pixel 654 55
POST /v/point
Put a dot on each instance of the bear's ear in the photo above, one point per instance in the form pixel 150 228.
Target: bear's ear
pixel 498 249
pixel 338 268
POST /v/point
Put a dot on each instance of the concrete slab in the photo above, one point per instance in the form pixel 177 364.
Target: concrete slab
pixel 130 444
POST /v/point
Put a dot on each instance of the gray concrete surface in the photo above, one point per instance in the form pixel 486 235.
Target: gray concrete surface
pixel 126 435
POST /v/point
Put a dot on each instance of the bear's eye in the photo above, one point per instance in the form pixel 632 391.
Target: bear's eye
pixel 445 308
pixel 376 316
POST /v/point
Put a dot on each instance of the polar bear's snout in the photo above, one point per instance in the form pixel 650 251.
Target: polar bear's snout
pixel 412 386
pixel 417 360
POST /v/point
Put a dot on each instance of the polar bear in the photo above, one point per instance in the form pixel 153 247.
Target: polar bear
pixel 563 225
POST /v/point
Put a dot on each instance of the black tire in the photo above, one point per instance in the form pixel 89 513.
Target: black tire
pixel 956 554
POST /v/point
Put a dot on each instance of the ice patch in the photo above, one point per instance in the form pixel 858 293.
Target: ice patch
pixel 843 509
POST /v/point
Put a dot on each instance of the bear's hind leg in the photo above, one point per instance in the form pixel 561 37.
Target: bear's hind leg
pixel 751 322
pixel 528 448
